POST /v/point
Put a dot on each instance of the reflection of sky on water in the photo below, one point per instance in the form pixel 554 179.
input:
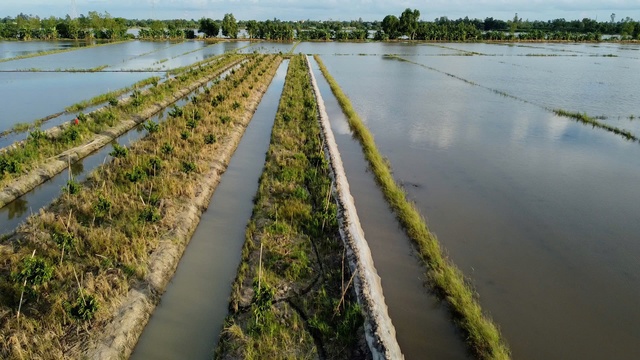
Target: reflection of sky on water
pixel 538 209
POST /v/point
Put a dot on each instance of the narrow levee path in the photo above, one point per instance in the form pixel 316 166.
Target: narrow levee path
pixel 187 322
pixel 423 328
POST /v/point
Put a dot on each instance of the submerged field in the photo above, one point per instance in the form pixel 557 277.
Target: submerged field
pixel 536 208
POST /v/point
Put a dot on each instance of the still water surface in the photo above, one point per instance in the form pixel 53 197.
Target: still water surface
pixel 542 213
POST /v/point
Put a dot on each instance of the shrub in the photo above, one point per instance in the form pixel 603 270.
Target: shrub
pixel 137 98
pixel 176 111
pixel 69 135
pixel 209 139
pixel 36 135
pixel 151 127
pixel 192 124
pixel 9 165
pixel 119 151
pixel 166 148
pixel 72 187
pixel 188 167
pixel 84 307
pixel 136 174
pixel 102 208
pixel 34 271
pixel 153 166
pixel 149 214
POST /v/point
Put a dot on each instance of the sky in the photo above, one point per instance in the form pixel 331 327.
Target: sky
pixel 368 10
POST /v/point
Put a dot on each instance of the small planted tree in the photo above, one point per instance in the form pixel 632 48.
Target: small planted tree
pixel 33 273
pixel 151 127
pixel 119 151
pixel 84 308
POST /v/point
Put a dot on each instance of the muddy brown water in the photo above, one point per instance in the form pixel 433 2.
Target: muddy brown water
pixel 423 327
pixel 187 322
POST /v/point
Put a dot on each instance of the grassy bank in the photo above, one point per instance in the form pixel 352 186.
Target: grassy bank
pixel 292 297
pixel 19 159
pixel 78 258
pixel 482 335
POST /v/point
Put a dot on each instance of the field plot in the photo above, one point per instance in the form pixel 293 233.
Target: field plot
pixel 120 65
pixel 536 209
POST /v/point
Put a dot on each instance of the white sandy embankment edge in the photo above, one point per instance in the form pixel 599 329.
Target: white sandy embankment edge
pixel 120 336
pixel 56 164
pixel 379 330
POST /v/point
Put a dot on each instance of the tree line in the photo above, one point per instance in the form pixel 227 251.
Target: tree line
pixel 407 25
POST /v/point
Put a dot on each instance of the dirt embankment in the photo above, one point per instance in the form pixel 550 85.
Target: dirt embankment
pixel 380 332
pixel 58 163
pixel 120 336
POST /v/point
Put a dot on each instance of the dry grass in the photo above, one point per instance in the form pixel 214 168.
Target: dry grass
pixel 116 221
pixel 286 300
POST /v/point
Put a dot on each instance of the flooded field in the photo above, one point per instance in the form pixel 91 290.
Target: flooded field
pixel 9 49
pixel 540 212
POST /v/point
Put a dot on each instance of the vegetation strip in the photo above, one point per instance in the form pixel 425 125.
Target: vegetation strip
pixel 482 335
pixel 292 297
pixel 44 162
pixel 588 120
pixel 380 332
pixel 580 117
pixel 119 236
pixel 110 95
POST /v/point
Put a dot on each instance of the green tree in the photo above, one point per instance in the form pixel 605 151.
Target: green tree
pixel 209 27
pixel 229 26
pixel 391 26
pixel 252 28
pixel 409 22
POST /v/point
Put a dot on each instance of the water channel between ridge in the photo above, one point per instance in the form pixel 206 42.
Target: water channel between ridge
pixel 423 326
pixel 187 322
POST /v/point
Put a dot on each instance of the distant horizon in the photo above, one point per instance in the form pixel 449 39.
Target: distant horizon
pixel 331 10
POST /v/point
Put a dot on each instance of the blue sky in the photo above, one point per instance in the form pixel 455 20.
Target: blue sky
pixel 332 9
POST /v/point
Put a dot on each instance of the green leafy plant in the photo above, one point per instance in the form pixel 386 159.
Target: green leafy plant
pixel 166 148
pixel 176 111
pixel 34 272
pixel 136 174
pixel 119 151
pixel 151 127
pixel 72 187
pixel 188 167
pixel 102 208
pixel 209 139
pixel 84 308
